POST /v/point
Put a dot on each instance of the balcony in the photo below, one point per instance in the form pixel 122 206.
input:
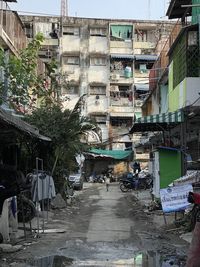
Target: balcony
pixel 11 29
pixel 144 45
pixel 121 102
pixel 123 111
pixel 50 42
pixel 161 65
pixel 121 47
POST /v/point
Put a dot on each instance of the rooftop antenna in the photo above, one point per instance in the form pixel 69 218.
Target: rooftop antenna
pixel 64 8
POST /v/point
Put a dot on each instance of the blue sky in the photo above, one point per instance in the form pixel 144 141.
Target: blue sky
pixel 118 9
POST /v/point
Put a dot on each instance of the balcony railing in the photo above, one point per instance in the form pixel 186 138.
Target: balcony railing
pixel 11 25
pixel 121 102
pixel 162 62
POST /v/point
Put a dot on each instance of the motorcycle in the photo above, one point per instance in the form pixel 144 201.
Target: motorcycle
pixel 135 183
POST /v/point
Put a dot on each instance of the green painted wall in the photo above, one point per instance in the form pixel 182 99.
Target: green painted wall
pixel 195 11
pixel 170 166
pixel 176 97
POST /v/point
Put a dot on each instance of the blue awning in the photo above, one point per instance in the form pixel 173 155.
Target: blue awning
pixel 122 56
pixel 146 57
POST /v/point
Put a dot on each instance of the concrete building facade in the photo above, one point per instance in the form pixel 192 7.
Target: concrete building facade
pixel 105 61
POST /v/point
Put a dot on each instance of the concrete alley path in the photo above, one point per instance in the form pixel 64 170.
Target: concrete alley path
pixel 105 229
pixel 105 225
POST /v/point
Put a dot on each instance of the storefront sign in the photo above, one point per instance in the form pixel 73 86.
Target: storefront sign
pixel 175 198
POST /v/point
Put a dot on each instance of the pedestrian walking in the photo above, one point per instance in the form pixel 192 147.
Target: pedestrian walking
pixel 107 181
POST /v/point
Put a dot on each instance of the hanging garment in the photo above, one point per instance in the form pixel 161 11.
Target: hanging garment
pixel 42 187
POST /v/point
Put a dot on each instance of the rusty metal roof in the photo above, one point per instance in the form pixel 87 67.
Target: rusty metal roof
pixel 20 125
pixel 175 9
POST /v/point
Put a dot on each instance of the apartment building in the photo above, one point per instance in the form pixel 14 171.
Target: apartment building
pixel 105 61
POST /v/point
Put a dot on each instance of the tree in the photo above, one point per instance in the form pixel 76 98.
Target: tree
pixel 65 128
pixel 22 82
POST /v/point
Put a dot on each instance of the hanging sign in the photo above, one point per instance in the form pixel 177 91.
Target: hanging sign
pixel 175 198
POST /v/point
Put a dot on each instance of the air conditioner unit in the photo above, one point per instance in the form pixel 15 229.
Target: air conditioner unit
pixel 115 77
pixel 138 103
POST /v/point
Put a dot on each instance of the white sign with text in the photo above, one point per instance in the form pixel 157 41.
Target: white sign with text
pixel 175 198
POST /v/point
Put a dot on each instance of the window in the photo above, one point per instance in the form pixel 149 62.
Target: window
pixel 71 90
pixel 29 30
pixel 99 119
pixel 71 60
pixel 121 32
pixel 143 68
pixel 97 90
pixel 70 30
pixel 98 61
pixel 121 122
pixel 141 36
pixel 192 38
pixel 98 31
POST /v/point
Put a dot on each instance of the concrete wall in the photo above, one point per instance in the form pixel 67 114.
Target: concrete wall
pixel 118 47
pixel 73 72
pixel 163 98
pixel 97 106
pixel 98 74
pixel 98 45
pixel 70 43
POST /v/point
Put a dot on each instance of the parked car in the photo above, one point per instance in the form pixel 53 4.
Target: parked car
pixel 76 180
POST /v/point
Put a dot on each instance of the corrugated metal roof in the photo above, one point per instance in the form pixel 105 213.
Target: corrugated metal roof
pixel 21 125
pixel 123 56
pixel 146 57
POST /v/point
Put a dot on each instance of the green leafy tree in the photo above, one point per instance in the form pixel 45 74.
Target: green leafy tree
pixel 65 128
pixel 22 81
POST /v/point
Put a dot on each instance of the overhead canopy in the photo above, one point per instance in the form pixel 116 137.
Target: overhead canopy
pixel 175 9
pixel 122 56
pixel 146 57
pixel 122 114
pixel 7 120
pixel 141 87
pixel 114 154
pixel 158 122
pixel 134 57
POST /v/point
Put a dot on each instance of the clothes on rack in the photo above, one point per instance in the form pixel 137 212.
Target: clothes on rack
pixel 42 187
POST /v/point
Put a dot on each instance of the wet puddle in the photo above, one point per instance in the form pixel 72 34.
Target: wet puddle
pixel 148 259
pixel 52 261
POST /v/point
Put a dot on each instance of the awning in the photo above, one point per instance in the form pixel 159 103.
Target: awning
pixel 158 122
pixel 20 125
pixel 114 154
pixel 122 114
pixel 141 87
pixel 146 57
pixel 122 56
pixel 175 9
